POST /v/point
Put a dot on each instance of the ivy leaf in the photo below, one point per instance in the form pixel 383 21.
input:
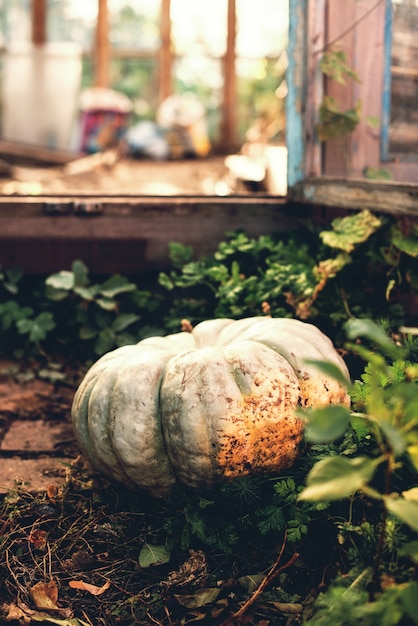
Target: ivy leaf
pixel 326 424
pixel 335 123
pixel 105 342
pixel 61 280
pixel 116 285
pixel 123 321
pixel 38 328
pixel 153 555
pixel 80 272
pixel 106 304
pixel 335 478
pixel 351 230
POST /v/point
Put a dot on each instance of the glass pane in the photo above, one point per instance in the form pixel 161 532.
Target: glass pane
pixel 262 27
pixel 138 79
pixel 15 21
pixel 199 27
pixel 72 21
pixel 135 24
pixel 262 34
pixel 403 133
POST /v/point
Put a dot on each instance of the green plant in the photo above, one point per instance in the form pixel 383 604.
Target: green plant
pixel 363 265
pixel 380 479
pixel 68 309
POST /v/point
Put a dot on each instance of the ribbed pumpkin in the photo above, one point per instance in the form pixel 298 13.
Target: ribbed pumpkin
pixel 203 406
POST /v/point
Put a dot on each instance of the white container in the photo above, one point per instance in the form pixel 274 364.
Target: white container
pixel 40 88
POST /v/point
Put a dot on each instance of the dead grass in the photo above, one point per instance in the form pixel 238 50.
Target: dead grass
pixel 70 556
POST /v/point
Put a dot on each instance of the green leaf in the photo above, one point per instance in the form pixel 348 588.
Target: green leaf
pixel 360 425
pixel 62 280
pixel 80 272
pixel 116 285
pixel 409 598
pixel 153 555
pixel 413 453
pixel 373 121
pixel 393 437
pixel 38 328
pixel 331 370
pixel 106 341
pixel 378 173
pixel 405 510
pixel 87 332
pixel 405 240
pixel 165 281
pixel 335 123
pixel 107 305
pixel 335 478
pixel 367 328
pixel 123 321
pixel 351 230
pixel 410 550
pixel 86 293
pixel 325 424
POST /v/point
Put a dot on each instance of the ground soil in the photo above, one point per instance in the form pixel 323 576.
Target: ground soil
pixel 69 548
pixel 36 437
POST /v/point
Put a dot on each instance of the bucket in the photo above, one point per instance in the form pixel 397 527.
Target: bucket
pixel 39 94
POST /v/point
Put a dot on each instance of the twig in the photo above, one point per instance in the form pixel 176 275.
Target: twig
pixel 274 571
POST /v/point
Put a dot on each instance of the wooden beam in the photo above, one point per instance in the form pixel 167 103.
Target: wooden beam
pixel 38 22
pixel 166 57
pixel 228 141
pixel 131 234
pixel 102 47
pixel 296 97
pixel 357 194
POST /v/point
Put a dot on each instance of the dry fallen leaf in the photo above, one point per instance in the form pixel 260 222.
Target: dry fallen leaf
pixel 45 595
pixel 95 591
pixel 38 538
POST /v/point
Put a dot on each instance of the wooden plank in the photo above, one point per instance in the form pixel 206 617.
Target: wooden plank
pixel 151 222
pixel 102 47
pixel 229 141
pixel 166 58
pixel 315 86
pixel 16 151
pixel 393 198
pixel 39 22
pixel 357 27
pixel 340 15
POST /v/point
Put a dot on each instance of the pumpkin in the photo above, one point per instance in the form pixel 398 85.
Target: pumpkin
pixel 204 406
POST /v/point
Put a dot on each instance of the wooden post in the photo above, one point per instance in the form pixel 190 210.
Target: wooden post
pixel 166 57
pixel 228 141
pixel 38 22
pixel 102 48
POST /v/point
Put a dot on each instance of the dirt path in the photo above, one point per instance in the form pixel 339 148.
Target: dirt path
pixel 36 437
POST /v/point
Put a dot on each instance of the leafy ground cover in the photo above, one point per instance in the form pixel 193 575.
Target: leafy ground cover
pixel 333 540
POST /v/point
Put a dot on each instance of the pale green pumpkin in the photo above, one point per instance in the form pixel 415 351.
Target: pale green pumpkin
pixel 205 406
